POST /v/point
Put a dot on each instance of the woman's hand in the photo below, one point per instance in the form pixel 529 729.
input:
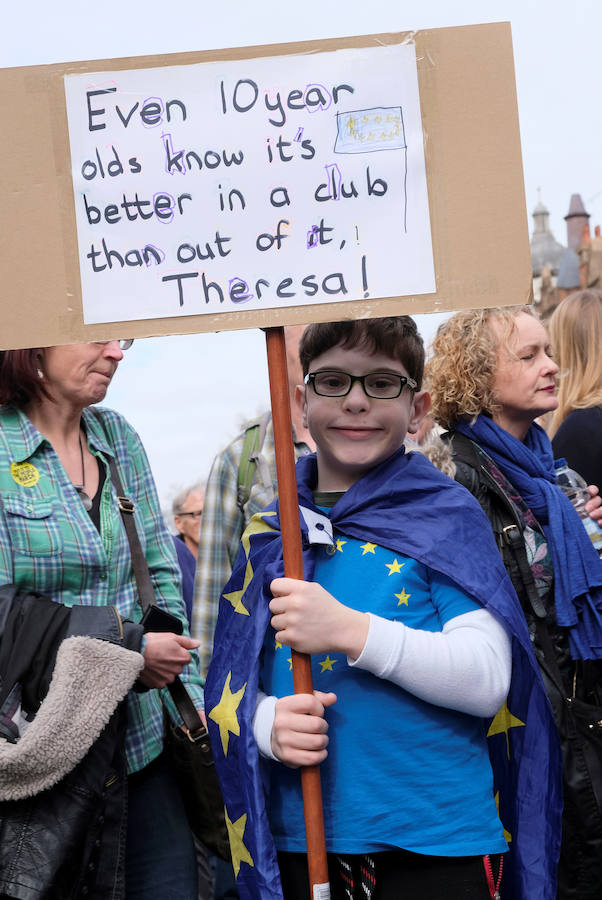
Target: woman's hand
pixel 594 504
pixel 309 619
pixel 299 733
pixel 165 655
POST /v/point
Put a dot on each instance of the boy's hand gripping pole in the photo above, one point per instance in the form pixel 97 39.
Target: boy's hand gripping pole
pixel 293 568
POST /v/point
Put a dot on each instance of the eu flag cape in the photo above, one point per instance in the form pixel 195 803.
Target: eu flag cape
pixel 449 533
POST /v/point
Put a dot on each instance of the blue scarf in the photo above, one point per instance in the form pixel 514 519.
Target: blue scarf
pixel 529 466
pixel 408 506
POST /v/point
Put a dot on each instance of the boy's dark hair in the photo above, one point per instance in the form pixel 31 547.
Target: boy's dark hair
pixel 395 336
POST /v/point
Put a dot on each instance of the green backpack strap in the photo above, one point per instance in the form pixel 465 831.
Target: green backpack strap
pixel 254 438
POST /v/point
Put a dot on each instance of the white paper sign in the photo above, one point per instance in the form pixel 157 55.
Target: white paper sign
pixel 249 184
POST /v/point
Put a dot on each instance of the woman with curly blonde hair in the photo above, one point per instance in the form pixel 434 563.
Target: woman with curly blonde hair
pixel 491 376
pixel 463 362
pixel 576 426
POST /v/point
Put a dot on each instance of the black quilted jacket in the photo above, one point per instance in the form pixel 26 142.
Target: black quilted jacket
pixel 67 841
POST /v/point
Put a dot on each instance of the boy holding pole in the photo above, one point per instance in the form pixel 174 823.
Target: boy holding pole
pixel 416 638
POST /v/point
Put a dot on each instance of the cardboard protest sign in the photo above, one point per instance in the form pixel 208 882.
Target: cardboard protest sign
pixel 260 186
pixel 242 193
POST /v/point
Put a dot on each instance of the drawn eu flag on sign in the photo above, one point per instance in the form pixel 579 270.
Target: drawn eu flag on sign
pixel 368 130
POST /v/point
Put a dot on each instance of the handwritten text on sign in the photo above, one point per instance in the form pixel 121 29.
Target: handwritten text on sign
pixel 249 184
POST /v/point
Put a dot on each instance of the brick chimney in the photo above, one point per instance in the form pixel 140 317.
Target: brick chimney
pixel 575 220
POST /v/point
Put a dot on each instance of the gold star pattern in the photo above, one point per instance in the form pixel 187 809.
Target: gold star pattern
pixel 236 831
pixel 224 714
pixel 502 723
pixel 403 597
pixel 340 544
pixel 327 664
pixel 507 834
pixel 235 597
pixel 277 645
pixel 290 663
pixel 394 567
pixel 368 548
pixel 257 525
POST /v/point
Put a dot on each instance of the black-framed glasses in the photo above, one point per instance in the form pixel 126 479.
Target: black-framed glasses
pixel 124 345
pixel 378 385
pixel 195 513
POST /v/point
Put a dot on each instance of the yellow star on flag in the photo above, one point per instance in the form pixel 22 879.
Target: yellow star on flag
pixel 368 548
pixel 256 526
pixel 403 597
pixel 507 834
pixel 340 544
pixel 394 567
pixel 502 723
pixel 224 714
pixel 278 645
pixel 236 831
pixel 235 597
pixel 327 663
pixel 290 662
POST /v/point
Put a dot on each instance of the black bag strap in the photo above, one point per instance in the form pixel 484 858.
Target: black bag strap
pixel 549 657
pixel 512 536
pixel 146 595
pixel 505 521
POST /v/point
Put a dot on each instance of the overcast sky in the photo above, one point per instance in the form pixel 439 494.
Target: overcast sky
pixel 187 395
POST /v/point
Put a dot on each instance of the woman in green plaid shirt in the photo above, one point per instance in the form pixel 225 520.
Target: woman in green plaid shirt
pixel 61 534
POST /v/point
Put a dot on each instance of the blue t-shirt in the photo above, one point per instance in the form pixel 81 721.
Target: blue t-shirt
pixel 400 772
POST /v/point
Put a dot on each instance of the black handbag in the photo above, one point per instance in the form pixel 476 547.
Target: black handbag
pixel 194 769
pixel 579 724
pixel 189 749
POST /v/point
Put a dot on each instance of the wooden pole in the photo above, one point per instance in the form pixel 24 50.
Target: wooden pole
pixel 293 568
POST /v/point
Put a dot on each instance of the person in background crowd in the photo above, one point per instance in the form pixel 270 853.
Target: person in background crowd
pixel 187 508
pixel 576 424
pixel 491 375
pixel 62 537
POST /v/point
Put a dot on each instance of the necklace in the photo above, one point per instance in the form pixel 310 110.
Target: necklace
pixel 80 487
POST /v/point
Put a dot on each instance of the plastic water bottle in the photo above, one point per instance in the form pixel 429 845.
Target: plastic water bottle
pixel 575 488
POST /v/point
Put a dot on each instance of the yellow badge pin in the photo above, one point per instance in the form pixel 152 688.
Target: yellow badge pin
pixel 24 474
